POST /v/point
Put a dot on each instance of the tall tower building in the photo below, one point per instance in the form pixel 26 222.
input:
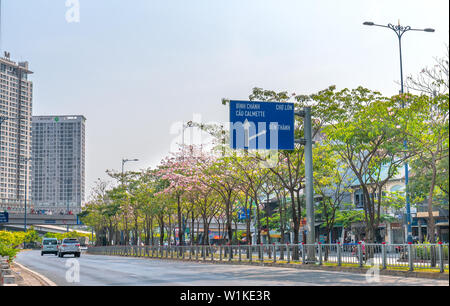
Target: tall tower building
pixel 16 95
pixel 58 162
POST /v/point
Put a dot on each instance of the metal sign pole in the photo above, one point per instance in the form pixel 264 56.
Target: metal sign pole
pixel 269 125
pixel 309 189
pixel 309 184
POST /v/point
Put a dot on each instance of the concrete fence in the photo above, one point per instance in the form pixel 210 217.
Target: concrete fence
pixel 7 277
pixel 409 257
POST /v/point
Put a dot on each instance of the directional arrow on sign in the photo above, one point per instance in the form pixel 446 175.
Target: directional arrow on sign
pixel 247 133
pixel 257 135
pixel 247 136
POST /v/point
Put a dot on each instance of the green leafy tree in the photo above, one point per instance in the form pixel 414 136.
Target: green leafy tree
pixel 11 241
pixel 428 136
pixel 369 142
pixel 332 182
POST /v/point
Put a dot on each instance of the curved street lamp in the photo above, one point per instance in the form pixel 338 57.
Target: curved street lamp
pixel 124 161
pixel 399 31
pixel 189 124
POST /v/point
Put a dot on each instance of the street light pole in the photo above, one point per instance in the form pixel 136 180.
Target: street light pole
pixel 399 31
pixel 309 189
pixel 26 179
pixel 185 126
pixel 123 164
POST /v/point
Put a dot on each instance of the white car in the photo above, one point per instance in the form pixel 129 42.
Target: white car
pixel 49 246
pixel 69 246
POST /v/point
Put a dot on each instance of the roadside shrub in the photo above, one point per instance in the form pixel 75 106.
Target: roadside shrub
pixel 10 242
pixel 60 236
pixel 9 252
pixel 425 250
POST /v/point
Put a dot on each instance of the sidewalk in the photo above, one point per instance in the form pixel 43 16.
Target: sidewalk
pixel 25 277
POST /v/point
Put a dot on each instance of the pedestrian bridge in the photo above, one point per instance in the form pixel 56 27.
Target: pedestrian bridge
pixel 39 219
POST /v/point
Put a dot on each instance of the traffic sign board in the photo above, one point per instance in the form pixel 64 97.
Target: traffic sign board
pixel 4 217
pixel 261 125
pixel 79 221
pixel 242 215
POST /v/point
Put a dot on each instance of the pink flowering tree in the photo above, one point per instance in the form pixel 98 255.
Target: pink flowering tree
pixel 182 176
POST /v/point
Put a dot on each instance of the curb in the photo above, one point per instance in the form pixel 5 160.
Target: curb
pixel 40 277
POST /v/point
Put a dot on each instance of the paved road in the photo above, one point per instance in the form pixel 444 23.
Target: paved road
pixel 97 270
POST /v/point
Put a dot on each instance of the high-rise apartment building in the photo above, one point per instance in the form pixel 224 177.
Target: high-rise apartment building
pixel 58 181
pixel 16 95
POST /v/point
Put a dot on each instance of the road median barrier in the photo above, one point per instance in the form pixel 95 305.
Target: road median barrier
pixel 6 275
pixel 8 280
pixel 428 261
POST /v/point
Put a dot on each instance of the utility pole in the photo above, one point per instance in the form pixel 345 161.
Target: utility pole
pixel 185 126
pixel 26 160
pixel 309 178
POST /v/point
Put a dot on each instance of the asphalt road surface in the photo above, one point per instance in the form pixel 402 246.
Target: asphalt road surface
pixel 97 270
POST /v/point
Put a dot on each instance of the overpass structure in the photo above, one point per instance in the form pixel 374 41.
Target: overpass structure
pixel 42 229
pixel 41 219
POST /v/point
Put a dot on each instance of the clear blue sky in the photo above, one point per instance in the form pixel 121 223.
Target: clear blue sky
pixel 134 68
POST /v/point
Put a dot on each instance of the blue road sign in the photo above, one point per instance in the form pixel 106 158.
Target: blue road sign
pixel 242 215
pixel 4 217
pixel 79 221
pixel 261 125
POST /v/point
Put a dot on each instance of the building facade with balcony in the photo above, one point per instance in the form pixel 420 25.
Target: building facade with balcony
pixel 16 96
pixel 58 163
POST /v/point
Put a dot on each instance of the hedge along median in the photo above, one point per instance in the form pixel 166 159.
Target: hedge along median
pixel 11 241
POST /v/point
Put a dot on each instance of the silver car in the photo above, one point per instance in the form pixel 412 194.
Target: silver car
pixel 49 246
pixel 69 246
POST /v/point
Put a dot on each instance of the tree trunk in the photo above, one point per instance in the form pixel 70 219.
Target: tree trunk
pixel 192 228
pixel 161 230
pixel 295 254
pixel 110 233
pixel 169 231
pixel 205 231
pixel 258 224
pixel 431 222
pixel 198 233
pixel 327 241
pixel 282 219
pixel 229 218
pixel 180 222
pixel 267 222
pixel 248 230
pixel 136 231
pixel 126 234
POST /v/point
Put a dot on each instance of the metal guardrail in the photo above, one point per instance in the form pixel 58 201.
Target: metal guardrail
pixel 410 257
